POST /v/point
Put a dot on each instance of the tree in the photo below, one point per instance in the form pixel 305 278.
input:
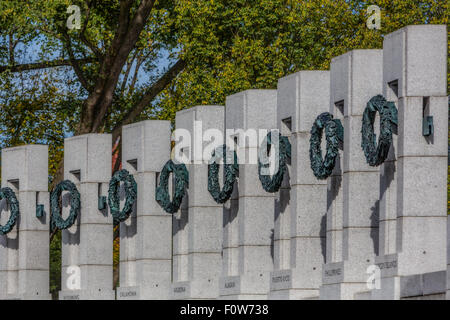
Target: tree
pixel 116 40
pixel 78 81
pixel 105 74
pixel 237 45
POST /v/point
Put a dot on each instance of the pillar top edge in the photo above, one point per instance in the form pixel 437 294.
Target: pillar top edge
pixel 25 147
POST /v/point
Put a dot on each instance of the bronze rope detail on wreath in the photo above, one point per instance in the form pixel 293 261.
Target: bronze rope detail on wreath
pixel 334 135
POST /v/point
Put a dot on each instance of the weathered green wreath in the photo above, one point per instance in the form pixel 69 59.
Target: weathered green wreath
pixel 334 134
pixel 375 155
pixel 57 220
pixel 230 169
pixel 273 183
pixel 10 196
pixel 181 182
pixel 113 195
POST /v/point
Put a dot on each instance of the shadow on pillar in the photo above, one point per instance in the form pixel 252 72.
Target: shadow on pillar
pixel 323 236
pixel 129 228
pixel 425 114
pixel 272 244
pixel 183 218
pixel 69 237
pixel 336 181
pixel 389 167
pixel 231 213
pixel 280 206
pixel 374 223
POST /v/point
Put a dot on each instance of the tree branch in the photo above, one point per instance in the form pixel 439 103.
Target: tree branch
pixel 149 95
pixel 127 72
pixel 44 65
pixel 101 97
pixel 12 46
pixel 53 234
pixel 83 37
pixel 74 63
pixel 139 62
pixel 123 43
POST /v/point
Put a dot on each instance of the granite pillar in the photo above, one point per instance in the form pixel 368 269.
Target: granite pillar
pixel 250 111
pixel 302 96
pixel 414 73
pixel 358 74
pixel 145 237
pixel 87 244
pixel 24 252
pixel 204 231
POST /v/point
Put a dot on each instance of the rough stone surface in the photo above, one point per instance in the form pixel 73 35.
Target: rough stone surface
pixel 302 96
pixel 355 77
pixel 146 143
pixel 24 252
pixel 205 216
pixel 448 259
pixel 87 244
pixel 415 229
pixel 249 277
pixel 416 56
pixel 145 237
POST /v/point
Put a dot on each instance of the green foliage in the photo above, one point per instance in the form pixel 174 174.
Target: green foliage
pixel 37 112
pixel 228 46
pixel 55 264
pixel 232 46
pixel 45 105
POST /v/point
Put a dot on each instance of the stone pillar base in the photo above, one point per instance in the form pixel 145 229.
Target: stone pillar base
pixel 341 291
pixel 195 290
pixel 421 286
pixel 104 294
pixel 156 291
pixel 363 295
pixel 180 290
pixel 245 287
pixel 128 293
pixel 394 286
pixel 293 294
pixel 46 296
pixel 290 284
pixel 244 297
pixel 342 280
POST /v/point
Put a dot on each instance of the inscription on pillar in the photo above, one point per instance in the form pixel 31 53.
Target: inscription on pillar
pixel 333 272
pixel 279 279
pixel 387 264
pixel 179 289
pixel 128 294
